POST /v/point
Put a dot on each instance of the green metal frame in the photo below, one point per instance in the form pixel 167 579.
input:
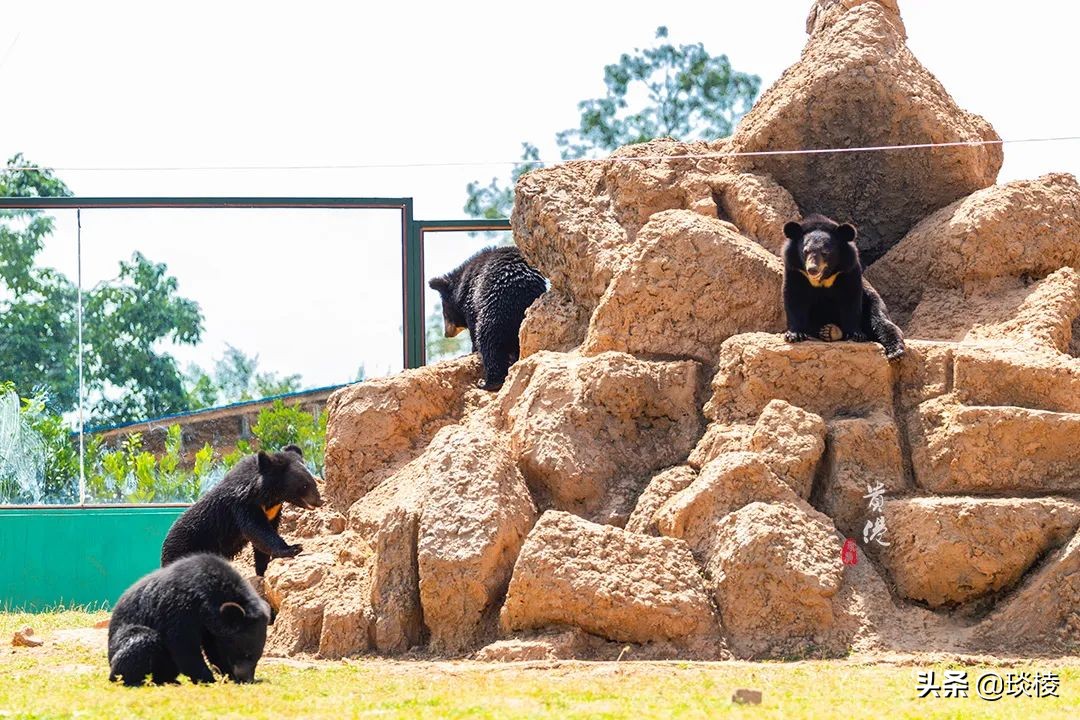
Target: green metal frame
pixel 88 555
pixel 412 237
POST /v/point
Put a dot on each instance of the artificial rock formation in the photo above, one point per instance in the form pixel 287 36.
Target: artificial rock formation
pixel 662 475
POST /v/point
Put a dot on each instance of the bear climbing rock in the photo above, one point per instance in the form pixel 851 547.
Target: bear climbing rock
pixel 198 607
pixel 488 295
pixel 245 507
pixel 825 295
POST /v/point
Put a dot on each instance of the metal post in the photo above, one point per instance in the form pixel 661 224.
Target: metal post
pixel 412 278
pixel 79 352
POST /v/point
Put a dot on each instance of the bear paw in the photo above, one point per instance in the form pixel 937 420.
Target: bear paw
pixel 489 385
pixel 291 550
pixel 894 352
pixel 831 333
pixel 859 336
pixel 793 337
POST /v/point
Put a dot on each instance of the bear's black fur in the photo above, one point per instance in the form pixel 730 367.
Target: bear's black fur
pixel 245 506
pixel 163 624
pixel 488 295
pixel 825 295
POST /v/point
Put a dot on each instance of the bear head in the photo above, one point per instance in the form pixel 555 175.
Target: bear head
pixel 285 478
pixel 237 638
pixel 820 248
pixel 453 318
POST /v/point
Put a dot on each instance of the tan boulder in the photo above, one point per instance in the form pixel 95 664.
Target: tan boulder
pixel 376 426
pixel 725 485
pixel 822 378
pixel 863 455
pixel 445 531
pixel 475 517
pixel 1037 315
pixel 775 572
pixel 553 322
pixel 566 232
pixel 993 449
pixel 662 487
pixel 1017 376
pixel 719 438
pixel 321 598
pixel 756 205
pixel 992 239
pixel 950 550
pixel 791 442
pixel 584 427
pixel 694 283
pixel 854 87
pixel 824 13
pixel 1043 614
pixel 609 582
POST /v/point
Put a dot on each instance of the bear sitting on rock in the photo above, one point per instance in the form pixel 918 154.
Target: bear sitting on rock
pixel 245 507
pixel 164 625
pixel 825 295
pixel 488 295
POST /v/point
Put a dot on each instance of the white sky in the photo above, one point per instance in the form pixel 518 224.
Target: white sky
pixel 268 83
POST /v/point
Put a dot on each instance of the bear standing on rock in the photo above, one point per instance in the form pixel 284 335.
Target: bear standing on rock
pixel 245 507
pixel 164 625
pixel 488 295
pixel 825 295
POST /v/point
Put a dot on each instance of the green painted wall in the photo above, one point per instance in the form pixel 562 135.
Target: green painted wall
pixel 77 556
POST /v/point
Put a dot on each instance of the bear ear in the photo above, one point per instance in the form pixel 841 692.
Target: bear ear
pixel 295 449
pixel 232 612
pixel 439 283
pixel 267 464
pixel 846 232
pixel 793 230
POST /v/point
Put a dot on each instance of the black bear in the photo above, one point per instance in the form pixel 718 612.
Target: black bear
pixel 165 623
pixel 245 506
pixel 825 295
pixel 488 295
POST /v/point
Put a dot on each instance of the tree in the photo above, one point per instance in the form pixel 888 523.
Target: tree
pixel 128 374
pixel 689 95
pixel 235 379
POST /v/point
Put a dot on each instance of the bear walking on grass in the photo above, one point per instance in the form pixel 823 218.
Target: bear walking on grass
pixel 825 295
pixel 245 507
pixel 164 625
pixel 488 295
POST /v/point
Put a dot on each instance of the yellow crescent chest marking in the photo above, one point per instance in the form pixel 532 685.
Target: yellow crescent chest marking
pixel 825 282
pixel 272 512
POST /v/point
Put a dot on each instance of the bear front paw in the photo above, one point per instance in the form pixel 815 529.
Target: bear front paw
pixel 831 333
pixel 292 550
pixel 859 336
pixel 489 385
pixel 793 337
pixel 894 352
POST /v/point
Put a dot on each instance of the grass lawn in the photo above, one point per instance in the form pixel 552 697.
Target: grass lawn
pixel 67 677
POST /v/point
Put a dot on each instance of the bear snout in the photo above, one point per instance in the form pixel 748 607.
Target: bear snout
pixel 312 499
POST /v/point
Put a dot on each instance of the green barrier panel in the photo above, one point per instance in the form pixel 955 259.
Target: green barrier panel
pixel 77 556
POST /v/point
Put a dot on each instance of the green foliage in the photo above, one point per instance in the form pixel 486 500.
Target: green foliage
pixel 133 475
pixel 46 445
pixel 127 320
pixel 691 96
pixel 280 425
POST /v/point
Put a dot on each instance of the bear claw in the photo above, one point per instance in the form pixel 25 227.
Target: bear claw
pixel 793 337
